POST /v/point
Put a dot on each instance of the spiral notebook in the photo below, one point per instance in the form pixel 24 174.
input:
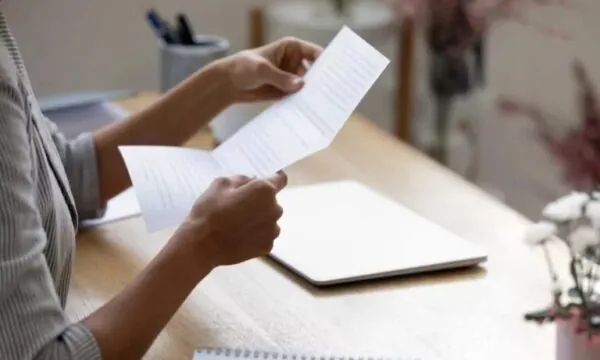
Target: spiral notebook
pixel 245 354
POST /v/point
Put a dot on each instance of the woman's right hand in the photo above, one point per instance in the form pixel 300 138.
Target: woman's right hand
pixel 234 220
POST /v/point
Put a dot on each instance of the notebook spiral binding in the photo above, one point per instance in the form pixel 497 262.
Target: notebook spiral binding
pixel 273 355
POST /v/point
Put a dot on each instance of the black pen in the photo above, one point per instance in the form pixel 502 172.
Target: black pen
pixel 184 30
pixel 160 27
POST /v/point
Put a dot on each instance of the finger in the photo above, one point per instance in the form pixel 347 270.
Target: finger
pixel 239 180
pixel 266 236
pixel 306 64
pixel 262 189
pixel 279 180
pixel 221 182
pixel 301 70
pixel 271 234
pixel 265 93
pixel 271 75
pixel 303 67
pixel 268 214
pixel 309 50
pixel 232 181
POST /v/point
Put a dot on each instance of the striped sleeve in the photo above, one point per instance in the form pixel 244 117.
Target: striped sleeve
pixel 81 165
pixel 33 324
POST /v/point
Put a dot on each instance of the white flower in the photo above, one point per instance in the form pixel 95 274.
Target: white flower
pixel 540 232
pixel 557 288
pixel 566 208
pixel 582 238
pixel 592 212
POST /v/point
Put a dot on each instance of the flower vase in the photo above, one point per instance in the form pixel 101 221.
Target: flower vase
pixel 451 75
pixel 573 346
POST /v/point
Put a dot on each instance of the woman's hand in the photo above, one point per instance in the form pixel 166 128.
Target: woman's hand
pixel 271 71
pixel 233 221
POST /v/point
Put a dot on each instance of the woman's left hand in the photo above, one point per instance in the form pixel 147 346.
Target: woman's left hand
pixel 272 71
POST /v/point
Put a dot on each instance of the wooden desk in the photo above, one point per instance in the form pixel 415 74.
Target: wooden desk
pixel 467 315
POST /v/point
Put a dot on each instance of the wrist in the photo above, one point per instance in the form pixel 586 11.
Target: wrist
pixel 193 243
pixel 188 248
pixel 209 90
pixel 228 67
pixel 222 81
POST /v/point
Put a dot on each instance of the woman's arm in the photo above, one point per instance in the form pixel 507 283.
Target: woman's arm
pixel 126 326
pixel 171 121
pixel 80 163
pixel 32 322
pixel 223 228
pixel 270 72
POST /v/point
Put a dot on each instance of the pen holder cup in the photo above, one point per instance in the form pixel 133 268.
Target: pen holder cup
pixel 177 62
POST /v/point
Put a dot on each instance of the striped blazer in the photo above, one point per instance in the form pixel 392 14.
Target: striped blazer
pixel 47 184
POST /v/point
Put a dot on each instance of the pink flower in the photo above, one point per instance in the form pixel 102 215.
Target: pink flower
pixel 467 20
pixel 578 151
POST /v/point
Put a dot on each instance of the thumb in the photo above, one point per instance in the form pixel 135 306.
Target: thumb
pixel 278 180
pixel 286 82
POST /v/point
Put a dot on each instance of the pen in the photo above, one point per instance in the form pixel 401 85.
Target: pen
pixel 160 27
pixel 184 30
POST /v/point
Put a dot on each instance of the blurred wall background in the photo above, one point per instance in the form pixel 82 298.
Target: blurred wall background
pixel 106 44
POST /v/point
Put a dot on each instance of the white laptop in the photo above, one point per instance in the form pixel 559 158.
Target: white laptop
pixel 342 231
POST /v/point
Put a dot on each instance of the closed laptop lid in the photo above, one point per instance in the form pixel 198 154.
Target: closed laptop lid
pixel 343 231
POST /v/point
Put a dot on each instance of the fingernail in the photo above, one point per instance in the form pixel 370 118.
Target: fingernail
pixel 295 82
pixel 306 64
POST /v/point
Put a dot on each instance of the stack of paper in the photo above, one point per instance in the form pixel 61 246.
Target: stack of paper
pixel 121 207
pixel 77 113
pixel 168 180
